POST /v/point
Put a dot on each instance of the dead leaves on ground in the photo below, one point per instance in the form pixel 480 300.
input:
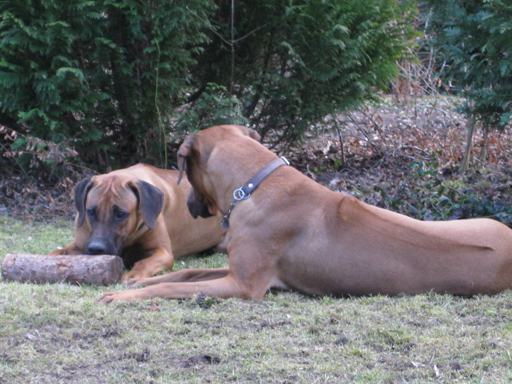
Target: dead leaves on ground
pixel 401 158
pixel 407 159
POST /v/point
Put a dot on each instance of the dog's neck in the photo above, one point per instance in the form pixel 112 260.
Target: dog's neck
pixel 245 191
pixel 242 167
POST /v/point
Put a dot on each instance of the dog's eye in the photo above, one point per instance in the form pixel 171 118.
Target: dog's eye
pixel 120 215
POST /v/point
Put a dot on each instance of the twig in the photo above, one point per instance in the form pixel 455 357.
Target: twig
pixel 232 49
pixel 375 125
pixel 16 160
pixel 342 148
pixel 233 40
pixel 156 103
pixel 250 33
pixel 432 358
pixel 413 147
pixel 363 132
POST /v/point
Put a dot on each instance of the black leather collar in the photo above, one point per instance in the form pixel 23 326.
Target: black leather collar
pixel 245 191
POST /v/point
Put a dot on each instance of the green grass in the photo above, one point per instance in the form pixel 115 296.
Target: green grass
pixel 60 334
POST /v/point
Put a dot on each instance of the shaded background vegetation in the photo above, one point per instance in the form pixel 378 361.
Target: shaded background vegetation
pixel 114 79
pixel 89 87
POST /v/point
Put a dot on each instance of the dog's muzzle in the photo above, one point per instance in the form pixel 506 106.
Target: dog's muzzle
pixel 197 206
pixel 100 247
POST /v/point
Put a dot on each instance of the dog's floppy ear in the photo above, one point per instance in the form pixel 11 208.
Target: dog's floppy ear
pixel 250 132
pixel 184 152
pixel 151 201
pixel 81 190
pixel 254 135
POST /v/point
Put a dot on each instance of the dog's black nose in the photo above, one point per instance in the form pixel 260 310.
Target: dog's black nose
pixel 96 248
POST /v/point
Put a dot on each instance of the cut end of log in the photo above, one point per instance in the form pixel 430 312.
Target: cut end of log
pixel 76 269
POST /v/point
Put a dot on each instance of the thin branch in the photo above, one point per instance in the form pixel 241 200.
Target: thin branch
pixel 250 33
pixel 230 43
pixel 363 132
pixel 15 160
pixel 233 41
pixel 209 26
pixel 232 49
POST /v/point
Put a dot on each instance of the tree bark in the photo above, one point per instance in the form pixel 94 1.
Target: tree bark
pixel 77 269
pixel 485 147
pixel 469 145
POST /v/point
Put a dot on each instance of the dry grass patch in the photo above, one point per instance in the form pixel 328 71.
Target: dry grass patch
pixel 60 334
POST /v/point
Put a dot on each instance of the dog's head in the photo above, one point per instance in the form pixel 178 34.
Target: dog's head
pixel 193 157
pixel 112 209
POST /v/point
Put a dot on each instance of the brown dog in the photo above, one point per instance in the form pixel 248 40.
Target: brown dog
pixel 140 214
pixel 293 233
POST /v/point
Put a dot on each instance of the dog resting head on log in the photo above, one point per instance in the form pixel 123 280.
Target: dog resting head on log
pixel 293 233
pixel 140 214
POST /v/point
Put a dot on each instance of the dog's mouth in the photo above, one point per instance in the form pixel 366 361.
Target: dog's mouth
pixel 197 206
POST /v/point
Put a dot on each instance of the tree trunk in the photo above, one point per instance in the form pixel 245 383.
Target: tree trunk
pixel 485 147
pixel 469 145
pixel 77 269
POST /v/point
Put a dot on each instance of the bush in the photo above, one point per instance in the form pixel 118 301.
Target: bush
pixel 297 61
pixel 474 39
pixel 89 71
pixel 114 77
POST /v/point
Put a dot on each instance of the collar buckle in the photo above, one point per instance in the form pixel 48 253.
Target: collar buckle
pixel 239 194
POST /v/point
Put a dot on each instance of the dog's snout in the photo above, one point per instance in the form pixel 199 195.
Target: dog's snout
pixel 98 247
pixel 197 206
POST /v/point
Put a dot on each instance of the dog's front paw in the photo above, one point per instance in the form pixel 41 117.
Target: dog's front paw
pixel 112 297
pixel 137 282
pixel 109 297
pixel 130 276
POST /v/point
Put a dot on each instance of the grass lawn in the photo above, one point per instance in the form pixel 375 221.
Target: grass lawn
pixel 60 334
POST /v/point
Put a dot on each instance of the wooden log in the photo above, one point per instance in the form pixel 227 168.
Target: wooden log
pixel 77 269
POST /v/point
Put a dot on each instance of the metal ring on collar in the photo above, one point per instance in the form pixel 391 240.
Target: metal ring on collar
pixel 239 194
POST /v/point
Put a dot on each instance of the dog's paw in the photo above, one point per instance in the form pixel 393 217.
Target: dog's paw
pixel 130 276
pixel 136 282
pixel 112 297
pixel 108 297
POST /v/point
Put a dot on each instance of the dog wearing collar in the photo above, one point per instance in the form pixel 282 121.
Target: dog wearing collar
pixel 140 214
pixel 293 233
